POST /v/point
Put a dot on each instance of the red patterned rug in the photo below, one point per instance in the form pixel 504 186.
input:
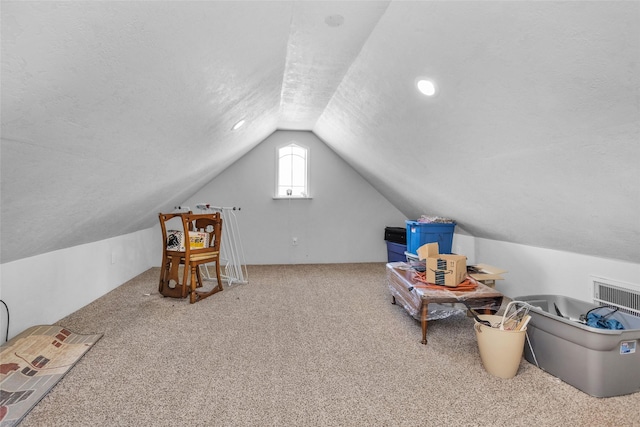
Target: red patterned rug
pixel 32 363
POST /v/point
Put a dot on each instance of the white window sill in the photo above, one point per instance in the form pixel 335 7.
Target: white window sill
pixel 291 198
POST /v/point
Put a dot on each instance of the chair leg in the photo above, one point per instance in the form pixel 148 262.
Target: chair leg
pixel 198 277
pixel 163 274
pixel 218 275
pixel 200 295
pixel 169 275
pixel 185 280
pixel 193 297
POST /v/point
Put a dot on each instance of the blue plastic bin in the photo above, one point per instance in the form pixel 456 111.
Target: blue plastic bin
pixel 421 233
pixel 395 252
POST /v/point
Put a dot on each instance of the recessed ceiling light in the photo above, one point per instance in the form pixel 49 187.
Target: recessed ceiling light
pixel 238 125
pixel 426 87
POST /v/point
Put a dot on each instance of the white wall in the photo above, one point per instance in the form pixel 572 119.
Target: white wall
pixel 47 287
pixel 343 222
pixel 533 270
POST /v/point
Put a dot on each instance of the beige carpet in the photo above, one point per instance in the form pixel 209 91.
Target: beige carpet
pixel 305 345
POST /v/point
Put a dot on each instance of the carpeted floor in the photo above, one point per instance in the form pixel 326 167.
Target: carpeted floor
pixel 300 345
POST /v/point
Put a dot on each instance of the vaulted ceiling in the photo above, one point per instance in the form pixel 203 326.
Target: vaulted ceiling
pixel 532 136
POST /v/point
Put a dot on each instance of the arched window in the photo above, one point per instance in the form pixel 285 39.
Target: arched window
pixel 292 171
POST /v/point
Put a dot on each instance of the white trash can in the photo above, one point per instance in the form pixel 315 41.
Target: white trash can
pixel 500 350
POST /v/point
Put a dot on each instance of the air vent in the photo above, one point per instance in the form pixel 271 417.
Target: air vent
pixel 625 296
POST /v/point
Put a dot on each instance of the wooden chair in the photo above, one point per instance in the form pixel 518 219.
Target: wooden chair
pixel 189 257
pixel 212 225
pixel 169 284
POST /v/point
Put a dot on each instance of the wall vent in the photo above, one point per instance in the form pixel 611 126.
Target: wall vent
pixel 625 296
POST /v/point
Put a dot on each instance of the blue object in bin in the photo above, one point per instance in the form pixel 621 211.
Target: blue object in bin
pixel 421 233
pixel 603 321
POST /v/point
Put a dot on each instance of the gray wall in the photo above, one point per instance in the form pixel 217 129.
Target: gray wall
pixel 342 222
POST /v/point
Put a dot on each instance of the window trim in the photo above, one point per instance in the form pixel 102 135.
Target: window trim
pixel 277 196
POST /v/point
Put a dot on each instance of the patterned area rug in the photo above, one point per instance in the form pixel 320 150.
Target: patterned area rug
pixel 32 363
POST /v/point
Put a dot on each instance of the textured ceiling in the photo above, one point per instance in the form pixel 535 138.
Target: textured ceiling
pixel 533 136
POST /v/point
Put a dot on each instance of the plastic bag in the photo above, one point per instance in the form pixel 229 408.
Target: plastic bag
pixel 602 321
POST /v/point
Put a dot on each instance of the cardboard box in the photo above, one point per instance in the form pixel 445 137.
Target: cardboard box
pixel 428 250
pixel 443 269
pixel 175 240
pixel 198 240
pixel 486 274
pixel 448 270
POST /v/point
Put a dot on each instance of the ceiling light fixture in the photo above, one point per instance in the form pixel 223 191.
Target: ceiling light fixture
pixel 426 87
pixel 238 125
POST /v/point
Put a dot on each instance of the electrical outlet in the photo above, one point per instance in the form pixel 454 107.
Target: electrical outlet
pixel 113 257
pixel 294 241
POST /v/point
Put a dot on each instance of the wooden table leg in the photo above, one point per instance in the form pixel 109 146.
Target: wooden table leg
pixel 423 320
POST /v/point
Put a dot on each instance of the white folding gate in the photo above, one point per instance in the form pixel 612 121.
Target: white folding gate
pixel 233 266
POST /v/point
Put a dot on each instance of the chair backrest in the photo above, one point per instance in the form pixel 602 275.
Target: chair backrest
pixel 164 218
pixel 208 223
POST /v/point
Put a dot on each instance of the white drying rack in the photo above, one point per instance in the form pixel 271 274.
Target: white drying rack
pixel 233 266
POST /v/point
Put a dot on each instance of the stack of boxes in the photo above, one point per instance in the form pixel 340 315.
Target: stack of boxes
pixel 396 238
pixel 176 240
pixel 432 242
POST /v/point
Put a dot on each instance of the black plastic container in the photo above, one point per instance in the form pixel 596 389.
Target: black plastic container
pixel 396 235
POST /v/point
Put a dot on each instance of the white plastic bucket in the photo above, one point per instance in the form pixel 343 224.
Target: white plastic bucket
pixel 500 351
